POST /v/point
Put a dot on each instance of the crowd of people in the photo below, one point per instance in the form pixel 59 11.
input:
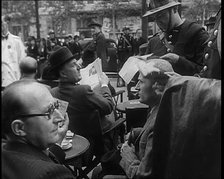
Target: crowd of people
pixel 180 82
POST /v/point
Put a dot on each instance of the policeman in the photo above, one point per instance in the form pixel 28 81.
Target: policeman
pixel 52 41
pixel 13 51
pixel 212 55
pixel 185 40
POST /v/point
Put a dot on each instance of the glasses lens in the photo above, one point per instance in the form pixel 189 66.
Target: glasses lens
pixel 52 108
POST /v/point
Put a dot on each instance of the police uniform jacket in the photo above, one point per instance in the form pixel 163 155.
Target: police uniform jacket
pixel 212 55
pixel 189 41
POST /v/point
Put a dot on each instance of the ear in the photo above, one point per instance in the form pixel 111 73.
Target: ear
pixel 158 88
pixel 62 73
pixel 17 127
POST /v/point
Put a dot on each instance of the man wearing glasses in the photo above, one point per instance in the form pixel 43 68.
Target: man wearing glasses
pixel 185 40
pixel 32 124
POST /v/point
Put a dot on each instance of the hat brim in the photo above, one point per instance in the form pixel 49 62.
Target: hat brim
pixel 94 24
pixel 158 9
pixel 55 67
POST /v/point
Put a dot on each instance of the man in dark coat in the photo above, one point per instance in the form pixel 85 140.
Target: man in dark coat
pixel 81 98
pixel 97 47
pixel 32 123
pixel 138 41
pixel 125 46
pixel 185 40
pixel 52 41
pixel 77 49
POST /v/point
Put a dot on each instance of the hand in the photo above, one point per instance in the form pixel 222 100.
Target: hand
pixel 62 128
pixel 128 152
pixel 171 57
pixel 104 80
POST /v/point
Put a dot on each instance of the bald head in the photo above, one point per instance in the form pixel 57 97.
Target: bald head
pixel 19 98
pixel 28 66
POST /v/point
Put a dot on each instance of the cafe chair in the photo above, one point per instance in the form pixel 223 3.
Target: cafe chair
pixel 89 125
pixel 135 117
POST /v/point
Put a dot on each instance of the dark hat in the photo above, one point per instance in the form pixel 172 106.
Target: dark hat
pixel 94 23
pixel 59 57
pixel 156 6
pixel 125 28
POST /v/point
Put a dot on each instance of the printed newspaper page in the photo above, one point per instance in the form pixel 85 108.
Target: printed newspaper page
pixel 90 74
pixel 130 67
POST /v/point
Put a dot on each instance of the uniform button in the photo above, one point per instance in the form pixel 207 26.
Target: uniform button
pixel 205 68
pixel 169 42
pixel 209 43
pixel 206 56
pixel 215 32
pixel 170 36
pixel 168 50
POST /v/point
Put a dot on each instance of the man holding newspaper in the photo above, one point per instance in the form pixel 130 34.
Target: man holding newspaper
pixel 76 87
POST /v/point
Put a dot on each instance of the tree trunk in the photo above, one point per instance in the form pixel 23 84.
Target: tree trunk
pixel 37 19
pixel 144 20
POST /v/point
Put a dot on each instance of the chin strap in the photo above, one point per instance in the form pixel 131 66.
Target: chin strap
pixel 169 23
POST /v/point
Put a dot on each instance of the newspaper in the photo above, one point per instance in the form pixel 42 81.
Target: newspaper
pixel 90 74
pixel 131 67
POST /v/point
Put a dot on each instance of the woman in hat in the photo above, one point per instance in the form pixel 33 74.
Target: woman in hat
pixel 185 40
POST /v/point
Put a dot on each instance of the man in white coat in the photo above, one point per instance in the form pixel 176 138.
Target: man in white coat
pixel 13 51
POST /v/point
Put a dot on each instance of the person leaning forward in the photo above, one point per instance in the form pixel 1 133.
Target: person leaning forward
pixel 30 126
pixel 136 153
pixel 185 40
pixel 174 141
pixel 81 98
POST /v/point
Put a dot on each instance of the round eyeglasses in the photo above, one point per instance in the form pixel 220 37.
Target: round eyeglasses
pixel 49 112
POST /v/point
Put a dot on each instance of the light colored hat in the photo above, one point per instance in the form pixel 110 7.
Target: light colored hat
pixel 147 68
pixel 159 5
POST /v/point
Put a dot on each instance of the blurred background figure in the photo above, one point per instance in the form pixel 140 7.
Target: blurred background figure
pixel 125 46
pixel 77 49
pixel 32 48
pixel 13 51
pixel 138 41
pixel 52 41
pixel 28 68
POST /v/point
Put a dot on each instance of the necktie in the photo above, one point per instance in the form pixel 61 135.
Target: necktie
pixel 5 37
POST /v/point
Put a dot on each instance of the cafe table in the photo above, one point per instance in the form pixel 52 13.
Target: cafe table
pixel 133 110
pixel 134 104
pixel 73 155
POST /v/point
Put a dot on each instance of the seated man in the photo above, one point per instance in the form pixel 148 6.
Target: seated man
pixel 81 98
pixel 136 154
pixel 185 120
pixel 31 123
pixel 28 68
